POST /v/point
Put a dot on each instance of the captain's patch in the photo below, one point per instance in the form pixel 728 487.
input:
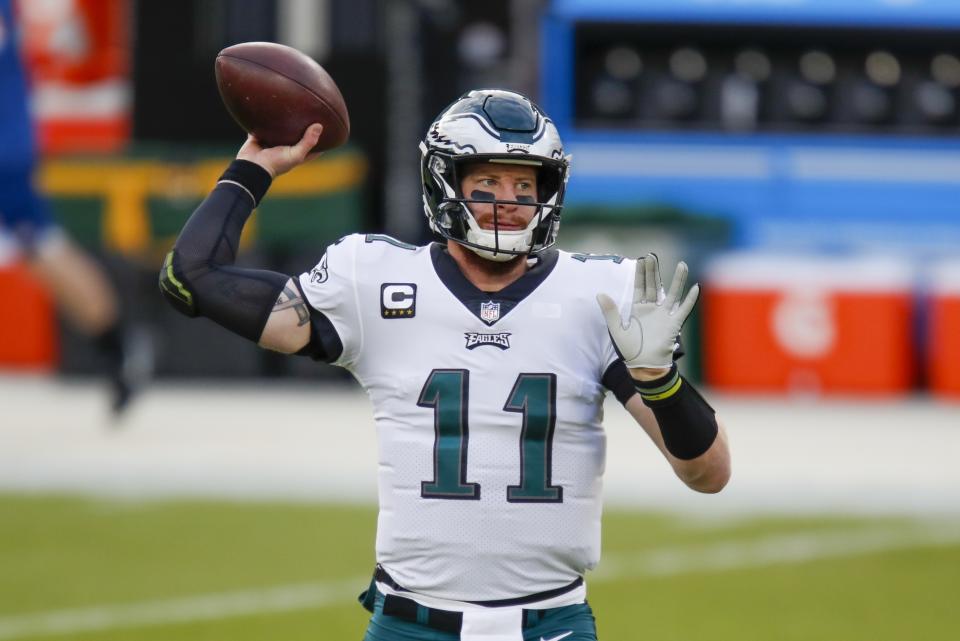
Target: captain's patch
pixel 398 300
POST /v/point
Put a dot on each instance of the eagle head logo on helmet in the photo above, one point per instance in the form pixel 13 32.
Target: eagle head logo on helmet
pixel 492 125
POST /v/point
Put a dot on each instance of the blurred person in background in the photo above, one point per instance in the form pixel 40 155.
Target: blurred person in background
pixel 487 359
pixel 78 284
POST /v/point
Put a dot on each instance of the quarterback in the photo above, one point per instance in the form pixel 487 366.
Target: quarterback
pixel 486 355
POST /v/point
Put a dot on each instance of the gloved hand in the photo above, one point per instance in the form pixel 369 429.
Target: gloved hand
pixel 650 336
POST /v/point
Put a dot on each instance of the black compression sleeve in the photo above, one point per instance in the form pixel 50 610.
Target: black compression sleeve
pixel 198 276
pixel 687 422
pixel 617 379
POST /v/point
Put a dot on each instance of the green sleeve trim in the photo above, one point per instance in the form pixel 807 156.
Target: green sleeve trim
pixel 663 395
pixel 662 391
pixel 173 287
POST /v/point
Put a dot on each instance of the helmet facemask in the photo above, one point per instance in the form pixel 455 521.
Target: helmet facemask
pixel 456 221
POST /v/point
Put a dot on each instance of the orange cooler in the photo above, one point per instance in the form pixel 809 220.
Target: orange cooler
pixel 808 324
pixel 28 324
pixel 943 330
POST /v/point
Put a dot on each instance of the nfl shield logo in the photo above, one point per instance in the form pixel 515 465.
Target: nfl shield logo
pixel 490 312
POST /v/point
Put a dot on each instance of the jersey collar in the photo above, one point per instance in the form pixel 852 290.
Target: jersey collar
pixel 507 298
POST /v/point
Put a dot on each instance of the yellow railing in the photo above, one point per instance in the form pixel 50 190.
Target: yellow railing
pixel 125 186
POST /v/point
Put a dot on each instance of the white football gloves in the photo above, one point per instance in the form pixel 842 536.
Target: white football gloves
pixel 650 336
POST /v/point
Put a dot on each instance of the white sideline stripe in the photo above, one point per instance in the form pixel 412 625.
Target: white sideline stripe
pixel 195 608
pixel 734 555
pixel 672 561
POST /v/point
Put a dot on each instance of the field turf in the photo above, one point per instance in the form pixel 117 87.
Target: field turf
pixel 98 570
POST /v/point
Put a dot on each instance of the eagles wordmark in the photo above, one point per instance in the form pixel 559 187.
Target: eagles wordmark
pixel 476 339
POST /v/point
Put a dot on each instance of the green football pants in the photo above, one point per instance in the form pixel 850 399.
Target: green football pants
pixel 568 623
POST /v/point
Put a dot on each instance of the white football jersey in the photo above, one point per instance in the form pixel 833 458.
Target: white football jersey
pixel 488 410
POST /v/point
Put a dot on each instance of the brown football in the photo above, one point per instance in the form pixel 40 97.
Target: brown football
pixel 275 92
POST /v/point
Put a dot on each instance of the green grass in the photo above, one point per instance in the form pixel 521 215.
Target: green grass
pixel 61 553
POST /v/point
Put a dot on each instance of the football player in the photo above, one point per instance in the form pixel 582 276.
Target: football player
pixel 77 283
pixel 487 357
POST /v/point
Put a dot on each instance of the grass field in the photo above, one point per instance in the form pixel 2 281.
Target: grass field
pixel 97 570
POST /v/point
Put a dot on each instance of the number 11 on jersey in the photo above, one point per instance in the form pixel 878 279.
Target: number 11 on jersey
pixel 534 396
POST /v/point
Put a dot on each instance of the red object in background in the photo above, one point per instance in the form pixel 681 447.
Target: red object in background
pixel 28 326
pixel 78 56
pixel 943 331
pixel 775 324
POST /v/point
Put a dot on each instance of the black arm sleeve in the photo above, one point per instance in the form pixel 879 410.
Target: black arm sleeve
pixel 198 276
pixel 617 379
pixel 687 422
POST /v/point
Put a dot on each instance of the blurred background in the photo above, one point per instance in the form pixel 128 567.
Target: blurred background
pixel 802 156
pixel 808 152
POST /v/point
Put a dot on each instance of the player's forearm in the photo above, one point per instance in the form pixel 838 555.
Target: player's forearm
pixel 199 277
pixel 709 472
pixel 685 428
pixel 647 374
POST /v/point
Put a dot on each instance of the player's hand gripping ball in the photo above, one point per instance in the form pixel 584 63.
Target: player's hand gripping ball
pixel 275 92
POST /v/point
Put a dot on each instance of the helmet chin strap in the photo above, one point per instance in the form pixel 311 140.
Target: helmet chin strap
pixel 497 257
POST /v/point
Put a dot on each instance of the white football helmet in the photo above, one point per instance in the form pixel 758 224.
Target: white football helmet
pixel 492 125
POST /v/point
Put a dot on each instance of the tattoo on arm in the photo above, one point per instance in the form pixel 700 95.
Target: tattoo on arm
pixel 290 298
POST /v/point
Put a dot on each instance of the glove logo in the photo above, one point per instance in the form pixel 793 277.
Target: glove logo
pixel 398 300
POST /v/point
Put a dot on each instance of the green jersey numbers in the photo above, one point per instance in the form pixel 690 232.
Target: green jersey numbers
pixel 534 396
pixel 446 392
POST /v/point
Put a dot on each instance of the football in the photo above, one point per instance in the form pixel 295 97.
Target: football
pixel 275 92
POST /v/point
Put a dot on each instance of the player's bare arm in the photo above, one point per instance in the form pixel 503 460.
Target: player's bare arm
pixel 709 472
pixel 670 410
pixel 288 327
pixel 199 277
